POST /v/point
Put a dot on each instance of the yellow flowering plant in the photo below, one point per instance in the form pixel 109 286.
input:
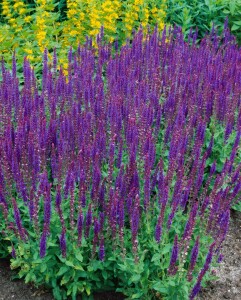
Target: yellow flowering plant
pixel 28 28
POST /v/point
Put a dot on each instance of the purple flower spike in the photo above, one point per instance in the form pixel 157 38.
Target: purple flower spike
pixel 88 221
pixel 220 258
pixel 58 198
pixel 13 253
pixel 102 250
pixel 195 291
pixel 172 270
pixel 158 232
pixel 205 268
pixel 194 255
pixel 18 220
pixel 62 241
pixel 43 245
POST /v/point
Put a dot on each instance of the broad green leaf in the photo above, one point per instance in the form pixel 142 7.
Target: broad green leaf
pixel 62 270
pixel 137 295
pixel 155 257
pixel 79 257
pixel 158 286
pixel 43 268
pixel 69 263
pixel 166 249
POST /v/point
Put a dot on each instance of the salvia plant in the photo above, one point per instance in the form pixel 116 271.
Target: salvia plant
pixel 121 175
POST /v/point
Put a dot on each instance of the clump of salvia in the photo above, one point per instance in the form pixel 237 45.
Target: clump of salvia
pixel 124 143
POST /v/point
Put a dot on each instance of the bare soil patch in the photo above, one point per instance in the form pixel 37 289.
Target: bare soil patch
pixel 228 286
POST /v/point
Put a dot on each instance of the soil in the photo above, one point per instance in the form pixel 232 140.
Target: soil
pixel 228 286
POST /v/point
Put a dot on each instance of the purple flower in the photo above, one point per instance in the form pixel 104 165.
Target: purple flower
pixel 62 241
pixel 102 250
pixel 205 268
pixel 193 259
pixel 195 291
pixel 135 221
pixel 220 258
pixel 213 169
pixel 58 198
pixel 88 221
pixel 80 224
pixel 172 270
pixel 158 232
pixel 43 244
pixel 18 220
pixel 13 253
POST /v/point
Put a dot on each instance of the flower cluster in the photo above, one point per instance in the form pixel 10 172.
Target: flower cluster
pixel 116 160
pixel 42 26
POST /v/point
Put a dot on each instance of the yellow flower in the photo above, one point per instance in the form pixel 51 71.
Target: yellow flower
pixel 30 57
pixel 18 4
pixel 41 2
pixel 12 20
pixel 73 32
pixel 18 29
pixel 138 2
pixel 28 51
pixel 71 13
pixel 27 19
pixel 22 11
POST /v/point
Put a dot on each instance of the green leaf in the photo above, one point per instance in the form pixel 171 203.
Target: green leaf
pixel 166 249
pixel 28 278
pixel 135 278
pixel 122 267
pixel 237 22
pixel 171 283
pixel 137 295
pixel 69 263
pixel 87 289
pixel 62 270
pixel 78 267
pixel 158 286
pixel 232 7
pixel 65 279
pixel 235 27
pixel 74 291
pixel 43 268
pixel 155 257
pixel 104 274
pixel 79 257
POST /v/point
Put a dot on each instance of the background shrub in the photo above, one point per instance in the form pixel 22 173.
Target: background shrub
pixel 30 26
